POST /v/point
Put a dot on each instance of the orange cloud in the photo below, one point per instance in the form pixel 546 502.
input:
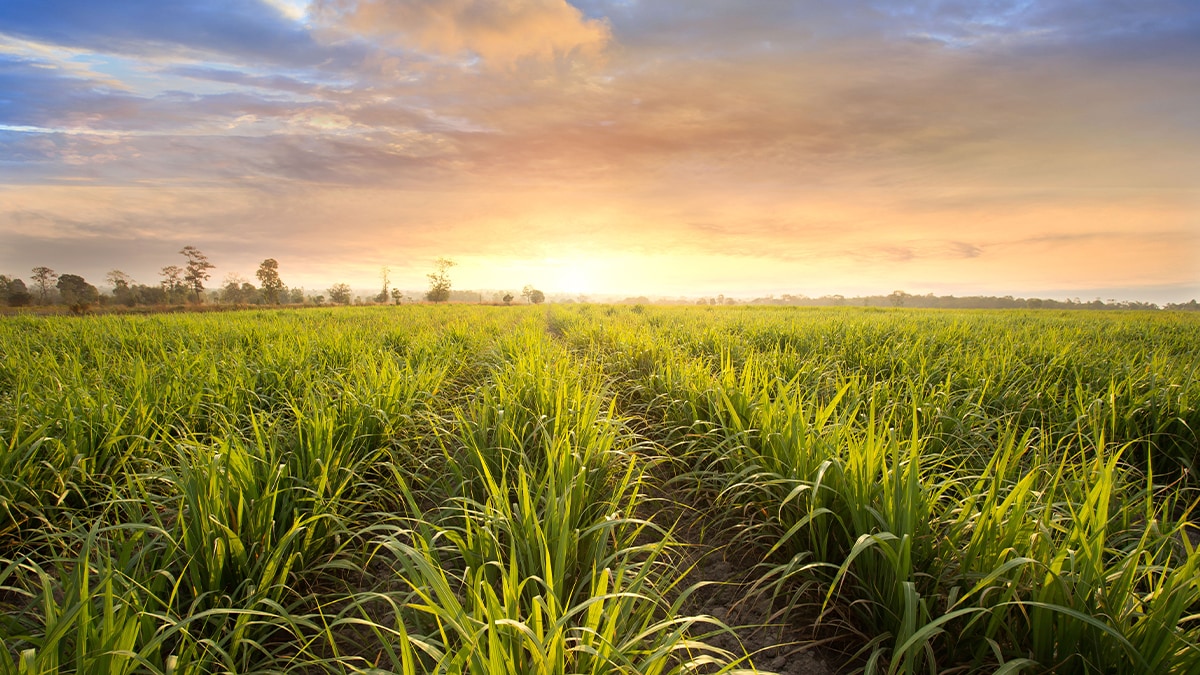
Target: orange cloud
pixel 501 32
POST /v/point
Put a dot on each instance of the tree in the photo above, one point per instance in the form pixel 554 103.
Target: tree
pixel 508 298
pixel 397 295
pixel 532 295
pixel 43 278
pixel 383 275
pixel 1191 306
pixel 77 292
pixel 439 281
pixel 18 294
pixel 268 279
pixel 118 279
pixel 231 288
pixel 250 293
pixel 172 283
pixel 897 298
pixel 148 295
pixel 339 293
pixel 196 272
pixel 122 287
pixel 13 292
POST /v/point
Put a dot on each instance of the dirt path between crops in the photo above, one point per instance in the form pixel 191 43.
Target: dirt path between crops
pixel 775 645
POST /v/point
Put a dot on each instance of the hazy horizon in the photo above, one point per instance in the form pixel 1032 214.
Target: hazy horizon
pixel 611 147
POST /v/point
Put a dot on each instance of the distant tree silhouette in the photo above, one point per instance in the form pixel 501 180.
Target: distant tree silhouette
pixel 43 278
pixel 122 287
pixel 172 283
pixel 18 294
pixel 439 281
pixel 532 295
pixel 196 271
pixel 13 292
pixel 268 279
pixel 339 293
pixel 238 290
pixel 77 292
pixel 383 276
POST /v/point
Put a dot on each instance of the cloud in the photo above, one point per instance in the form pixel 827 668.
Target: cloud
pixel 239 30
pixel 696 94
pixel 240 77
pixel 964 250
pixel 38 94
pixel 499 31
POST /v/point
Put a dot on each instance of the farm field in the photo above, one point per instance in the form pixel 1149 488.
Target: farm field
pixel 594 489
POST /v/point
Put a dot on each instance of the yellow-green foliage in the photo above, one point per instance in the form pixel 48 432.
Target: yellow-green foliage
pixel 465 489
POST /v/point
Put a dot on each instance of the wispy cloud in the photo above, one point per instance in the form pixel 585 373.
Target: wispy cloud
pixel 235 30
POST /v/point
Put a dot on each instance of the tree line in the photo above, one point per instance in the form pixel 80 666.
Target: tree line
pixel 186 283
pixel 931 301
pixel 179 284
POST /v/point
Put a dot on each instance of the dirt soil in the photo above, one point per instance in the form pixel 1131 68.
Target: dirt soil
pixel 776 644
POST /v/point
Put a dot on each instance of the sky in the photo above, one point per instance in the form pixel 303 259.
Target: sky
pixel 611 147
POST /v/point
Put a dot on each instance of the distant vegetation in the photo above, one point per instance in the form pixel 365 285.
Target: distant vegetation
pixel 186 284
pixel 931 301
pixel 439 281
pixel 464 489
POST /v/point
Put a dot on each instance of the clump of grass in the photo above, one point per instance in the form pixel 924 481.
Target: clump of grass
pixel 535 564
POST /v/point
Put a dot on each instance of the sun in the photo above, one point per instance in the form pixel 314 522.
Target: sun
pixel 572 275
